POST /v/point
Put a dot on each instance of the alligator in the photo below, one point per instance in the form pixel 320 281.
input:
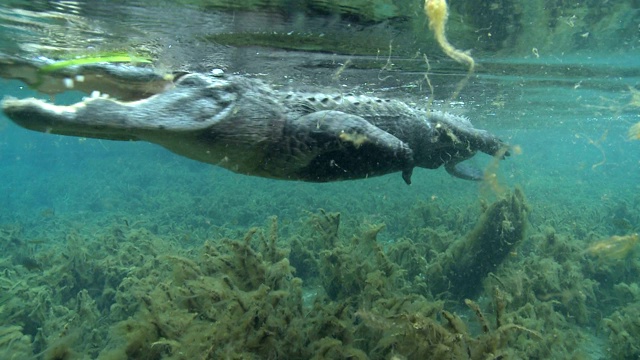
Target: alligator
pixel 244 125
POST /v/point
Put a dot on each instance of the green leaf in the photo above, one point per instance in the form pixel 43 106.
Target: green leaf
pixel 94 60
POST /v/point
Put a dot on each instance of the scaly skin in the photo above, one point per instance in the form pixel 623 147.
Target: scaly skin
pixel 247 127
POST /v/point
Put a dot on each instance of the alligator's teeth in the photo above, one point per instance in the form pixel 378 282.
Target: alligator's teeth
pixel 68 83
pixel 95 94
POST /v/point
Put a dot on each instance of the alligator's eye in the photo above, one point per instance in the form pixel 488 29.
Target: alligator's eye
pixel 192 80
pixel 178 75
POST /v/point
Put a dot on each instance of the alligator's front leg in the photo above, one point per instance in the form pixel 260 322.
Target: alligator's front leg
pixel 332 145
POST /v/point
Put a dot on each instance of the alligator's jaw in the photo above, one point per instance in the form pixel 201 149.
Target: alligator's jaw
pixel 193 106
pixel 38 115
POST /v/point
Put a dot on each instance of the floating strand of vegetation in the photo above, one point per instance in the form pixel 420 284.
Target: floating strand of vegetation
pixel 114 58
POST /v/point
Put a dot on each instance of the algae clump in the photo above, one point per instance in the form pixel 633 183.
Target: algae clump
pixel 461 269
pixel 437 11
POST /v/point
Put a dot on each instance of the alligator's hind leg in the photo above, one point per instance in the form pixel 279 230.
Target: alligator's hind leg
pixel 464 171
pixel 332 145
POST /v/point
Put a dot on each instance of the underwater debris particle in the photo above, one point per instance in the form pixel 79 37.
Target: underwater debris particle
pixel 635 98
pixel 598 145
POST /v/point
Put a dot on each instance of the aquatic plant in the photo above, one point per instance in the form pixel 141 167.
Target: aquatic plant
pixel 13 342
pixel 624 331
pixel 438 12
pixel 127 293
pixel 95 59
pixel 461 269
pixel 614 247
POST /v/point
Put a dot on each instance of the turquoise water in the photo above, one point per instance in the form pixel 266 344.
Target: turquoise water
pixel 121 250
